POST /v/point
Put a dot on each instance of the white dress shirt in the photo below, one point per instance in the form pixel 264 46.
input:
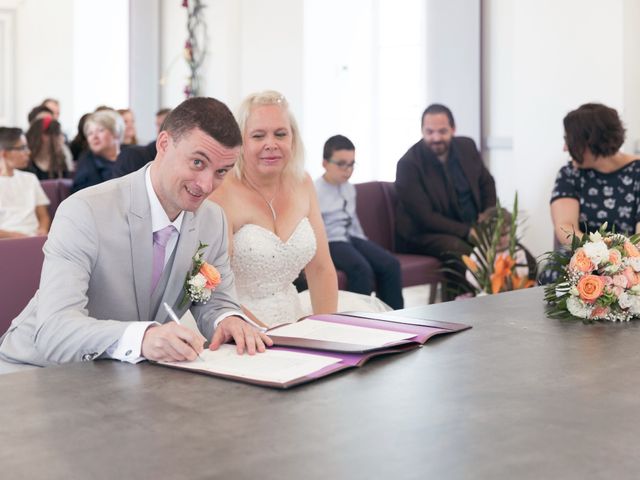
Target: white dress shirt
pixel 128 347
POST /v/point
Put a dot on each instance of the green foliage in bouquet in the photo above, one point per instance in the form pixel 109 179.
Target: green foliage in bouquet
pixel 597 278
pixel 493 261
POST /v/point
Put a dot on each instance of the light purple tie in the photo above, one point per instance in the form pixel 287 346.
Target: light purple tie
pixel 160 239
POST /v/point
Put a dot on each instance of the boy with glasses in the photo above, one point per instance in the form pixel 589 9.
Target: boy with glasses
pixel 23 203
pixel 366 264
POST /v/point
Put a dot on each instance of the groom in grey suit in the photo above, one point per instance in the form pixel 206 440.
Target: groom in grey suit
pixel 97 298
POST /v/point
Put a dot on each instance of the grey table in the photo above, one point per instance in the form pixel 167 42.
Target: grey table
pixel 517 396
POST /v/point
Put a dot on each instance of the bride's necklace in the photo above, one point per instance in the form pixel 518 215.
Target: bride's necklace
pixel 268 202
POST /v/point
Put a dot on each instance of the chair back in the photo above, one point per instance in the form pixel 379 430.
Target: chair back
pixel 52 190
pixel 57 190
pixel 21 260
pixel 376 213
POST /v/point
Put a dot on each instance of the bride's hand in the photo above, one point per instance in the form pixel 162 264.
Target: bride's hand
pixel 243 334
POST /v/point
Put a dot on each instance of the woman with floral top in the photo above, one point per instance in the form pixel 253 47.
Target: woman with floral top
pixel 600 183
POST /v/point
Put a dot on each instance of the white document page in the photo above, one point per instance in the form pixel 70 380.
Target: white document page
pixel 338 332
pixel 271 366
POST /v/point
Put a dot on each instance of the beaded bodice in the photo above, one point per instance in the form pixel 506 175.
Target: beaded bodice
pixel 265 267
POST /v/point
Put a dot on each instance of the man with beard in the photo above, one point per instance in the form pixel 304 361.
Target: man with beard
pixel 443 188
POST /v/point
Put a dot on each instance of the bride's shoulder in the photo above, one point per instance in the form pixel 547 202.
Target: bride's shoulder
pixel 305 184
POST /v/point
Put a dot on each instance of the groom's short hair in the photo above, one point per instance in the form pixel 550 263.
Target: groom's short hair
pixel 206 114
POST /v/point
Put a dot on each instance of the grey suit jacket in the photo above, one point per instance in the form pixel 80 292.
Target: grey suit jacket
pixel 96 275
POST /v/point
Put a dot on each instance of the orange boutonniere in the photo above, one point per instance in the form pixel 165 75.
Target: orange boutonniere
pixel 201 280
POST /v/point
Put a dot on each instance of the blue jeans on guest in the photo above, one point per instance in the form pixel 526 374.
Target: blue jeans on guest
pixel 367 266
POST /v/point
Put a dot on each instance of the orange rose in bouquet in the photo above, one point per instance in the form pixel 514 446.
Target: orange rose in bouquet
pixel 599 279
pixel 590 287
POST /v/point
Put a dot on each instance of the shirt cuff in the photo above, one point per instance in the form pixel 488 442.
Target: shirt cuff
pixel 238 314
pixel 129 345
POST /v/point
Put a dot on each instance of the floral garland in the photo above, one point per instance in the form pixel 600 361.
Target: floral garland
pixel 599 278
pixel 195 47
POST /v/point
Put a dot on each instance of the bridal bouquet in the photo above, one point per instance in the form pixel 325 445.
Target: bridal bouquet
pixel 598 278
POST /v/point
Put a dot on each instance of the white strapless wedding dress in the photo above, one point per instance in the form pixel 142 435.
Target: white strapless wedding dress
pixel 265 267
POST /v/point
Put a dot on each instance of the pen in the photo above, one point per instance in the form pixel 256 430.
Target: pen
pixel 175 318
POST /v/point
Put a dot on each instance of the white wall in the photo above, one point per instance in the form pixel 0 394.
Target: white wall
pixel 345 67
pixel 144 71
pixel 7 61
pixel 73 50
pixel 252 45
pixel 544 58
pixel 631 86
pixel 100 55
pixel 453 61
pixel 44 57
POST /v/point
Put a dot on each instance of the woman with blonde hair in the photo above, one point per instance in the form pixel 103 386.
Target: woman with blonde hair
pixel 275 221
pixel 104 130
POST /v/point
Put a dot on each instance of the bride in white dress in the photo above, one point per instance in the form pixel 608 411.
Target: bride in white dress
pixel 275 221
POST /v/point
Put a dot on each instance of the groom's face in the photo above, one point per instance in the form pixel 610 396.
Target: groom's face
pixel 186 171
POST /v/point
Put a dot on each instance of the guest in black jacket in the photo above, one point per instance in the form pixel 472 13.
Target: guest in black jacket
pixel 135 157
pixel 443 189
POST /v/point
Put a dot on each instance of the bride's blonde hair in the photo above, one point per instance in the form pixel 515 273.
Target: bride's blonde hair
pixel 295 166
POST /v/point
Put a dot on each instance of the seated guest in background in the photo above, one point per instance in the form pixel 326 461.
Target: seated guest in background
pixel 600 183
pixel 37 112
pixel 443 187
pixel 117 251
pixel 365 263
pixel 104 130
pixel 23 203
pixel 53 105
pixel 46 142
pixel 130 135
pixel 135 157
pixel 79 144
pixel 160 116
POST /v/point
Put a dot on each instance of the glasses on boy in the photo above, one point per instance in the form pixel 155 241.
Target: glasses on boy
pixel 342 164
pixel 18 148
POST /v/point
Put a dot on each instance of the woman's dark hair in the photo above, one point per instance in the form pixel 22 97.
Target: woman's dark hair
pixel 51 128
pixel 595 127
pixel 79 143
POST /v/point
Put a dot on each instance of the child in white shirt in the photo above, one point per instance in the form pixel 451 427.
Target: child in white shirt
pixel 23 203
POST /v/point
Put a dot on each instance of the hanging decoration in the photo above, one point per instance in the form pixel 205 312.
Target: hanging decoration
pixel 195 48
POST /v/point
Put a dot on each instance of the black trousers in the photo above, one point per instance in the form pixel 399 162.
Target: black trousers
pixel 369 266
pixel 449 249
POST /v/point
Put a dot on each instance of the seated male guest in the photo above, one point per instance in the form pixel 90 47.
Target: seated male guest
pixel 443 187
pixel 118 250
pixel 135 157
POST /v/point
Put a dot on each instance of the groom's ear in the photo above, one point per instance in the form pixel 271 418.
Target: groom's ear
pixel 162 142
